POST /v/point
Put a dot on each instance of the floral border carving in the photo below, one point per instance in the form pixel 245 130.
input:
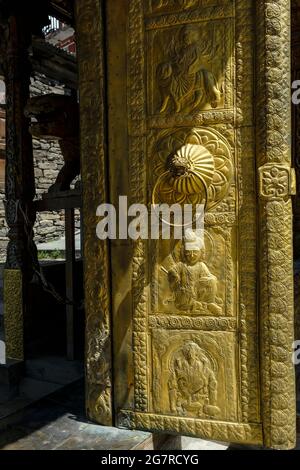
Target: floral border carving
pixel 276 257
pixel 93 168
pixel 204 324
pixel 204 118
pixel 216 430
pixel 245 151
pixel 276 181
pixel 199 14
pixel 137 152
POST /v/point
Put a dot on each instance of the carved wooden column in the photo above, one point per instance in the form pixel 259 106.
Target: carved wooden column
pixel 90 42
pixel 296 162
pixel 19 183
pixel 276 185
pixel 296 120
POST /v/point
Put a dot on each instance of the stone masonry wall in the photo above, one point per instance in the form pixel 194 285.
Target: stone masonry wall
pixel 47 163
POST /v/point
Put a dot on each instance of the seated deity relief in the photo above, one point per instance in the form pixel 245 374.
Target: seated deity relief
pixel 192 383
pixel 193 285
pixel 194 373
pixel 185 79
pixel 57 117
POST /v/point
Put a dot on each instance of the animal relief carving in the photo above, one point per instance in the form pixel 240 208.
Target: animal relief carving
pixel 185 79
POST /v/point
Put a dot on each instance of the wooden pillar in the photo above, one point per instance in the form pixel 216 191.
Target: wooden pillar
pixel 90 43
pixel 19 184
pixel 295 17
pixel 70 280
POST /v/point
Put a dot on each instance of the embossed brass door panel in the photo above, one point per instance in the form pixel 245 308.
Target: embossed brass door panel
pixel 201 343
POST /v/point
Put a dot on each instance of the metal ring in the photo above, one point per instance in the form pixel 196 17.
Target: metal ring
pixel 154 203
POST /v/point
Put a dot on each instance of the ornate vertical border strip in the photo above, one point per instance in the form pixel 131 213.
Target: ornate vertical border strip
pixel 13 314
pixel 275 218
pixel 137 152
pixel 216 430
pixel 90 39
pixel 247 209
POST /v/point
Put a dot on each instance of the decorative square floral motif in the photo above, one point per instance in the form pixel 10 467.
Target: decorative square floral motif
pixel 275 181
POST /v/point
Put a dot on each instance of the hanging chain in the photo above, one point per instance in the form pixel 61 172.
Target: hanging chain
pixel 36 266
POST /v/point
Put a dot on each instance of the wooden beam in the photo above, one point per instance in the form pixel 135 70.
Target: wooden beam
pixel 53 62
pixel 62 10
pixel 59 201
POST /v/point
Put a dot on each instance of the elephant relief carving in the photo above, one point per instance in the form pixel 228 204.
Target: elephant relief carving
pixel 192 383
pixel 193 285
pixel 185 79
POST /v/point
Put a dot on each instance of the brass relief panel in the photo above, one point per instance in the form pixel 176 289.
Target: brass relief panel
pixel 198 348
pixel 191 166
pixel 194 283
pixel 171 6
pixel 190 335
pixel 188 69
pixel 194 374
pixel 188 355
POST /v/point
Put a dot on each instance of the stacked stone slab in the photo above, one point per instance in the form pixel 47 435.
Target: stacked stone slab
pixel 48 161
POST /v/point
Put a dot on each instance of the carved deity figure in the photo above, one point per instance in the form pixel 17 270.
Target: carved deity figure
pixel 192 384
pixel 184 80
pixel 193 285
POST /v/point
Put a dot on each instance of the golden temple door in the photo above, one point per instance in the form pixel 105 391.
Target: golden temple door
pixel 202 345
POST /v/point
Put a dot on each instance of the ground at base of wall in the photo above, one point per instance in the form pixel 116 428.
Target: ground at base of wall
pixel 58 423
